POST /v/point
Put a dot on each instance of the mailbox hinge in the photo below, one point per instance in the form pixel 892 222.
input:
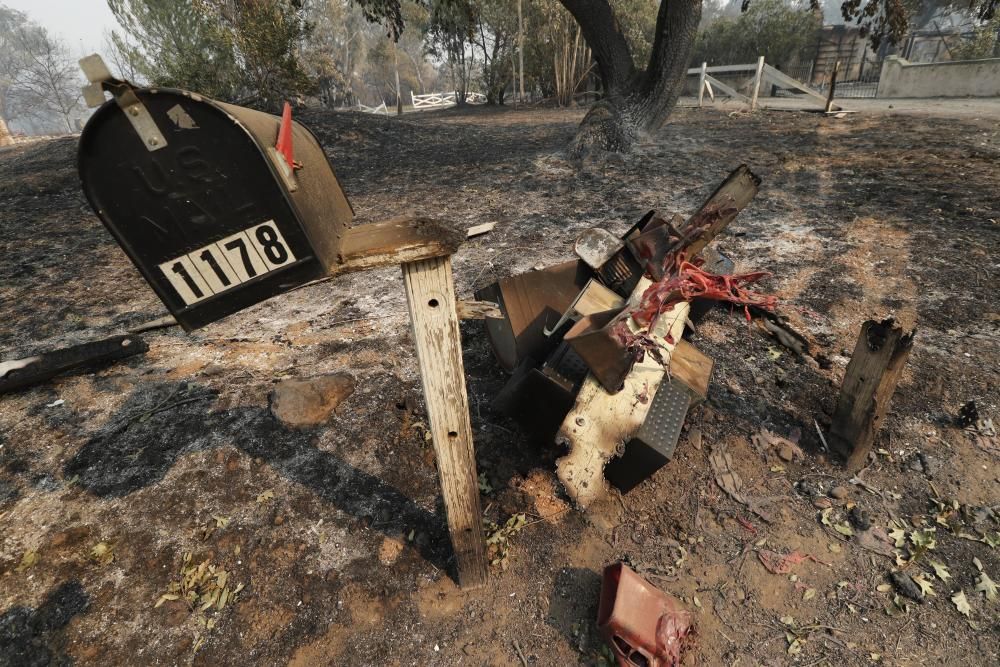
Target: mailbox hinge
pixel 138 115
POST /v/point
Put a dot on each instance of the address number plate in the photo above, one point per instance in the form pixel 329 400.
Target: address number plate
pixel 228 263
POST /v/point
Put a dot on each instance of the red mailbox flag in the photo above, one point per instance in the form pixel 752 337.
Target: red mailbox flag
pixel 284 145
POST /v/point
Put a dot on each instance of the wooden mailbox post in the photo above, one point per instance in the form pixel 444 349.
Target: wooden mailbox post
pixel 210 203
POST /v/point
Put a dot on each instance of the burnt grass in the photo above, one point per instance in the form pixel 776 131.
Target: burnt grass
pixel 347 561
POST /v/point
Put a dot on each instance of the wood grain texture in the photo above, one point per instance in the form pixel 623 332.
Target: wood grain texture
pixel 692 367
pixel 430 292
pixel 731 197
pixel 478 310
pixel 600 423
pixel 869 383
pixel 395 241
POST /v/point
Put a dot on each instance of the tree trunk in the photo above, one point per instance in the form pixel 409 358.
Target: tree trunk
pixel 520 46
pixel 399 92
pixel 636 102
pixel 5 138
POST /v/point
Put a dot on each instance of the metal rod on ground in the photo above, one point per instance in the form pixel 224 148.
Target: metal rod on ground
pixel 701 83
pixel 756 83
pixel 833 87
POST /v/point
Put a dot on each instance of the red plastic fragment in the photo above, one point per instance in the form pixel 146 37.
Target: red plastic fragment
pixel 284 145
pixel 642 624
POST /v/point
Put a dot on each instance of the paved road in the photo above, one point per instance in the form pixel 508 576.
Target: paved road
pixel 977 107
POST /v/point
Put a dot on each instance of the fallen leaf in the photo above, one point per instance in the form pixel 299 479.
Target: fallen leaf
pixel 264 497
pixel 102 553
pixel 883 588
pixel 28 560
pixel 875 539
pixel 925 586
pixel 978 563
pixel 961 603
pixel 924 538
pixel 166 597
pixel 809 594
pixel 940 571
pixel 844 528
pixel 985 585
pixel 730 482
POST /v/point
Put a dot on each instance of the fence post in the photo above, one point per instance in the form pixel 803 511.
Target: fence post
pixel 701 83
pixel 756 83
pixel 833 86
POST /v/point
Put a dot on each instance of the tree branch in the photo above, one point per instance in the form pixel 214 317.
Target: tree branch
pixel 676 29
pixel 606 40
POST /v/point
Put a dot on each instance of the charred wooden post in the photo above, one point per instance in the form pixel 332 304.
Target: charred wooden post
pixel 878 360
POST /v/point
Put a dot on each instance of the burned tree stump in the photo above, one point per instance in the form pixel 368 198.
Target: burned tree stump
pixel 871 378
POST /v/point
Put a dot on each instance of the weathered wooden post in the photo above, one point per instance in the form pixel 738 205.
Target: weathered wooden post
pixel 5 138
pixel 701 82
pixel 756 83
pixel 875 368
pixel 218 213
pixel 833 87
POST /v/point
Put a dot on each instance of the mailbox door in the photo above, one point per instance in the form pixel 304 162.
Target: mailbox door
pixel 206 218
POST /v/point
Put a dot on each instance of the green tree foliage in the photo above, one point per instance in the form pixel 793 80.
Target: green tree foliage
pixel 638 21
pixel 245 51
pixel 175 43
pixel 450 34
pixel 779 30
pixel 496 37
pixel 891 20
pixel 985 42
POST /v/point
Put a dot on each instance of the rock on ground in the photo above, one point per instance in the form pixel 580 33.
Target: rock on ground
pixel 311 401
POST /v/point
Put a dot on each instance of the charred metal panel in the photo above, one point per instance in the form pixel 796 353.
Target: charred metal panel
pixel 530 302
pixel 654 443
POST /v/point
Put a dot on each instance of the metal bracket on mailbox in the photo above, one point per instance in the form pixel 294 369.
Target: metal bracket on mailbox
pixel 138 115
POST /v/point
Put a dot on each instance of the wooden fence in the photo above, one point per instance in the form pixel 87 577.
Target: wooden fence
pixel 763 74
pixel 443 100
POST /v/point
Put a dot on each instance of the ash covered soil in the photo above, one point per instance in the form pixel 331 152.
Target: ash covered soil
pixel 337 532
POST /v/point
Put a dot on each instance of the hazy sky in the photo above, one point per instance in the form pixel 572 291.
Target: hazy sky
pixel 81 23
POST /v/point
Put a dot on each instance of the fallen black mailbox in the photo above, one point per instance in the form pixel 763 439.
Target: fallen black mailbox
pixel 211 213
pixel 221 207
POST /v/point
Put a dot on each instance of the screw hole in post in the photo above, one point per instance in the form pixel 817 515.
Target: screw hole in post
pixel 433 303
pixel 452 434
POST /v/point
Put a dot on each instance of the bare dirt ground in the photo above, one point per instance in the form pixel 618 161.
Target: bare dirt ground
pixel 337 533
